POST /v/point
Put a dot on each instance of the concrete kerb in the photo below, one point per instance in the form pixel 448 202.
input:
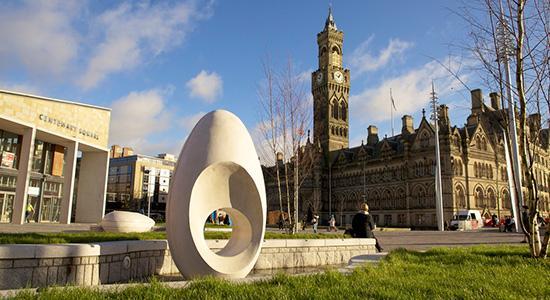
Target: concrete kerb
pixel 122 247
pixel 21 251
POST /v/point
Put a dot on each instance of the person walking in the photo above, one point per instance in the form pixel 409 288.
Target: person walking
pixel 363 225
pixel 281 222
pixel 29 212
pixel 332 224
pixel 315 223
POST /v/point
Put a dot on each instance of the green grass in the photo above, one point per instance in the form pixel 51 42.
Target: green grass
pixel 503 272
pixel 95 237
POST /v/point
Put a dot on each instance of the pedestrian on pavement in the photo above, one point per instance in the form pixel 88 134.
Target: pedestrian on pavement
pixel 494 219
pixel 363 225
pixel 315 223
pixel 281 222
pixel 29 212
pixel 508 224
pixel 332 224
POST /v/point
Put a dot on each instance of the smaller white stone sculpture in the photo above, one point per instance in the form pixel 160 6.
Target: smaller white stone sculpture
pixel 125 221
pixel 218 168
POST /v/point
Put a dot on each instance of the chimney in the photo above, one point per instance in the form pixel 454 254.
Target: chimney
pixel 495 100
pixel 408 126
pixel 534 122
pixel 116 151
pixel 477 101
pixel 372 138
pixel 443 113
pixel 127 151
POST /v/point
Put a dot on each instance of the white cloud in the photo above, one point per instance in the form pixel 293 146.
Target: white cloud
pixel 305 76
pixel 134 31
pixel 362 60
pixel 410 91
pixel 39 35
pixel 137 116
pixel 205 86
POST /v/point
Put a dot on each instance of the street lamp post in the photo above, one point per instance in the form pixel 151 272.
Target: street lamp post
pixel 506 49
pixel 438 186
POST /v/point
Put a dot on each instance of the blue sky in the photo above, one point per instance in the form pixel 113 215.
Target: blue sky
pixel 160 65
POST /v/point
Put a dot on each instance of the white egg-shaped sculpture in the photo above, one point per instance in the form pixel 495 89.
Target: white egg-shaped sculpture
pixel 218 168
pixel 125 221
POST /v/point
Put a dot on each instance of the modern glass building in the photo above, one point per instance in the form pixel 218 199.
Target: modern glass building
pixel 41 140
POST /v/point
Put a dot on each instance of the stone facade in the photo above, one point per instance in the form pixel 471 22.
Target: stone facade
pixel 76 121
pixel 395 175
pixel 111 262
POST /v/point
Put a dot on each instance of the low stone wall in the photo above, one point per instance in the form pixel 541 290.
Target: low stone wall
pixel 110 262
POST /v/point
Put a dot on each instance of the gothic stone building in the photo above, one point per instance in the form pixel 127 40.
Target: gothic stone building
pixel 395 175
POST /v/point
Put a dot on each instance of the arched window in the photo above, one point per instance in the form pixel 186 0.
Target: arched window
pixel 335 55
pixel 401 201
pixel 460 197
pixel 344 112
pixel 322 51
pixel 476 172
pixel 492 199
pixel 505 195
pixel 484 144
pixel 418 197
pixel 425 139
pixel 332 130
pixel 479 197
pixel 334 109
pixel 374 200
pixel 387 199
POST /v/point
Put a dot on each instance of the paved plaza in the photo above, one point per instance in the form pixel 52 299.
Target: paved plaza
pixel 424 240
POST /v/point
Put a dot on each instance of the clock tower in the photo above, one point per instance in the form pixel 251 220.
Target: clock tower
pixel 330 88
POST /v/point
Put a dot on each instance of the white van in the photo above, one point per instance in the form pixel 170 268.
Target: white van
pixel 466 220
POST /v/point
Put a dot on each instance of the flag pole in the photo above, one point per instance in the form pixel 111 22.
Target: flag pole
pixel 391 112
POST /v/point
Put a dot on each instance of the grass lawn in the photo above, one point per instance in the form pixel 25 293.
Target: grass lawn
pixel 503 272
pixel 94 237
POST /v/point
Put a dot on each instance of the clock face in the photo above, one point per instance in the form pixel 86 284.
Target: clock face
pixel 338 76
pixel 319 77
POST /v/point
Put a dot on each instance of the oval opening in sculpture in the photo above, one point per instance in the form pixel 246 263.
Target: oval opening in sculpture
pixel 227 185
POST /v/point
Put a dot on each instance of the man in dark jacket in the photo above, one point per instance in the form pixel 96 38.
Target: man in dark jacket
pixel 363 225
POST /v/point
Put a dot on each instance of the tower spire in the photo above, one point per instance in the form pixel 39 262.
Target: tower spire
pixel 329 24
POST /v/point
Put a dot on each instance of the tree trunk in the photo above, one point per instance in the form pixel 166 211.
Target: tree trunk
pixel 533 233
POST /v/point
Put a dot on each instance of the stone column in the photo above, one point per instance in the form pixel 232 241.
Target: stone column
pixel 68 183
pixel 25 164
pixel 92 186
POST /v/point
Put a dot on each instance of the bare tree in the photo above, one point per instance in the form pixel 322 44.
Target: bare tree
pixel 296 116
pixel 284 119
pixel 269 125
pixel 515 34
